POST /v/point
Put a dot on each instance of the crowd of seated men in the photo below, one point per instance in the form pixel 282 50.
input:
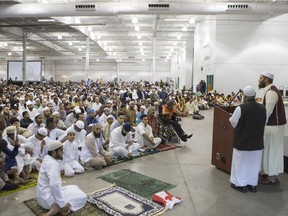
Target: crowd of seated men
pixel 94 121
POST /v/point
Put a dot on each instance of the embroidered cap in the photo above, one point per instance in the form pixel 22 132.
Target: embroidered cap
pixel 127 127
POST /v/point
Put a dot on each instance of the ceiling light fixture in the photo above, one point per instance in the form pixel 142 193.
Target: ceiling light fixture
pixel 89 29
pixel 179 36
pixel 97 60
pixel 140 43
pixel 5 44
pixel 120 60
pixel 175 44
pixel 142 53
pixel 143 59
pixel 70 43
pixel 141 49
pixel 9 53
pixel 139 37
pixel 105 43
pixel 59 37
pixel 134 20
pixel 192 21
pixel 137 28
pixel 79 49
pixel 110 49
pixel 184 29
pixel 46 20
pixel 77 21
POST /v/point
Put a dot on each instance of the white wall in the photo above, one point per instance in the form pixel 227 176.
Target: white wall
pixel 243 50
pixel 204 49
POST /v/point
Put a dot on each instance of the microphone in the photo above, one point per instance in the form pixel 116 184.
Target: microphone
pixel 240 91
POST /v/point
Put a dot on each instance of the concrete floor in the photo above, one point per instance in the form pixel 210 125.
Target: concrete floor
pixel 205 189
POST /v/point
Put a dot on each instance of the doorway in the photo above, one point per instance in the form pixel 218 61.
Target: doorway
pixel 210 82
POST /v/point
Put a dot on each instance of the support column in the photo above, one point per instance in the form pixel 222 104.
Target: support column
pixel 24 41
pixel 117 72
pixel 87 59
pixel 153 59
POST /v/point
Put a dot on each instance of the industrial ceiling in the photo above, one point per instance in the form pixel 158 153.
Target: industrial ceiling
pixel 115 30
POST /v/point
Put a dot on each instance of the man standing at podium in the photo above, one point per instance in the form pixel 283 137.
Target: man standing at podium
pixel 249 120
pixel 272 160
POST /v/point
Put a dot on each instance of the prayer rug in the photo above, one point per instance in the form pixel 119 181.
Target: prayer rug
pixel 166 147
pixel 137 183
pixel 117 201
pixel 30 183
pixel 87 210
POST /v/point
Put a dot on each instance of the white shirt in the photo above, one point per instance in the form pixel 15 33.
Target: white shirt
pixel 140 130
pixel 34 127
pixel 71 152
pixel 79 136
pixel 35 144
pixel 117 139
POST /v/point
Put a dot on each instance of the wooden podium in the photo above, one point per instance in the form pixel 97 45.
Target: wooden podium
pixel 222 143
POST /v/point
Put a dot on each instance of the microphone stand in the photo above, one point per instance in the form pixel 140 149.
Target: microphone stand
pixel 240 91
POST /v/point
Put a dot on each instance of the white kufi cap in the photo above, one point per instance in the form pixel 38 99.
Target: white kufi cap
pixel 268 74
pixel 42 131
pixel 80 124
pixel 249 91
pixel 54 145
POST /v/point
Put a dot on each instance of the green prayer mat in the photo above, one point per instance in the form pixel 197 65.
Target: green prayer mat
pixel 87 210
pixel 137 183
pixel 30 183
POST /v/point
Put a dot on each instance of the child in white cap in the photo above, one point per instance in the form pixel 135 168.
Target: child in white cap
pixel 71 155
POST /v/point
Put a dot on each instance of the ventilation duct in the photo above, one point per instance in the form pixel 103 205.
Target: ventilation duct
pixel 85 7
pixel 237 7
pixel 158 6
pixel 118 8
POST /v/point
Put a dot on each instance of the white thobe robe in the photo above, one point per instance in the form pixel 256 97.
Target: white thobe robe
pixel 118 146
pixel 245 165
pixel 142 129
pixel 71 158
pixel 49 188
pixel 272 159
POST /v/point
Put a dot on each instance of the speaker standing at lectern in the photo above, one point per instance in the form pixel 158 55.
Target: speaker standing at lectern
pixel 248 121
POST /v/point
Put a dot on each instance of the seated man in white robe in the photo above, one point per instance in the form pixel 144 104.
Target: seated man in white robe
pixel 144 135
pixel 121 144
pixel 38 145
pixel 51 194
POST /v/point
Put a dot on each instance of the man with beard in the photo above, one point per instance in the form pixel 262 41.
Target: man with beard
pixel 51 194
pixel 38 123
pixel 272 159
pixel 93 154
pixel 4 118
pixel 121 144
pixel 31 110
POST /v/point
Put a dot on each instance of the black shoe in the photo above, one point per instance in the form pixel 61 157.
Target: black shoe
pixel 252 188
pixel 184 137
pixel 241 189
pixel 189 136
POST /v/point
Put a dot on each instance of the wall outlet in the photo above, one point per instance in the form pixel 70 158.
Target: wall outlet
pixel 217 156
